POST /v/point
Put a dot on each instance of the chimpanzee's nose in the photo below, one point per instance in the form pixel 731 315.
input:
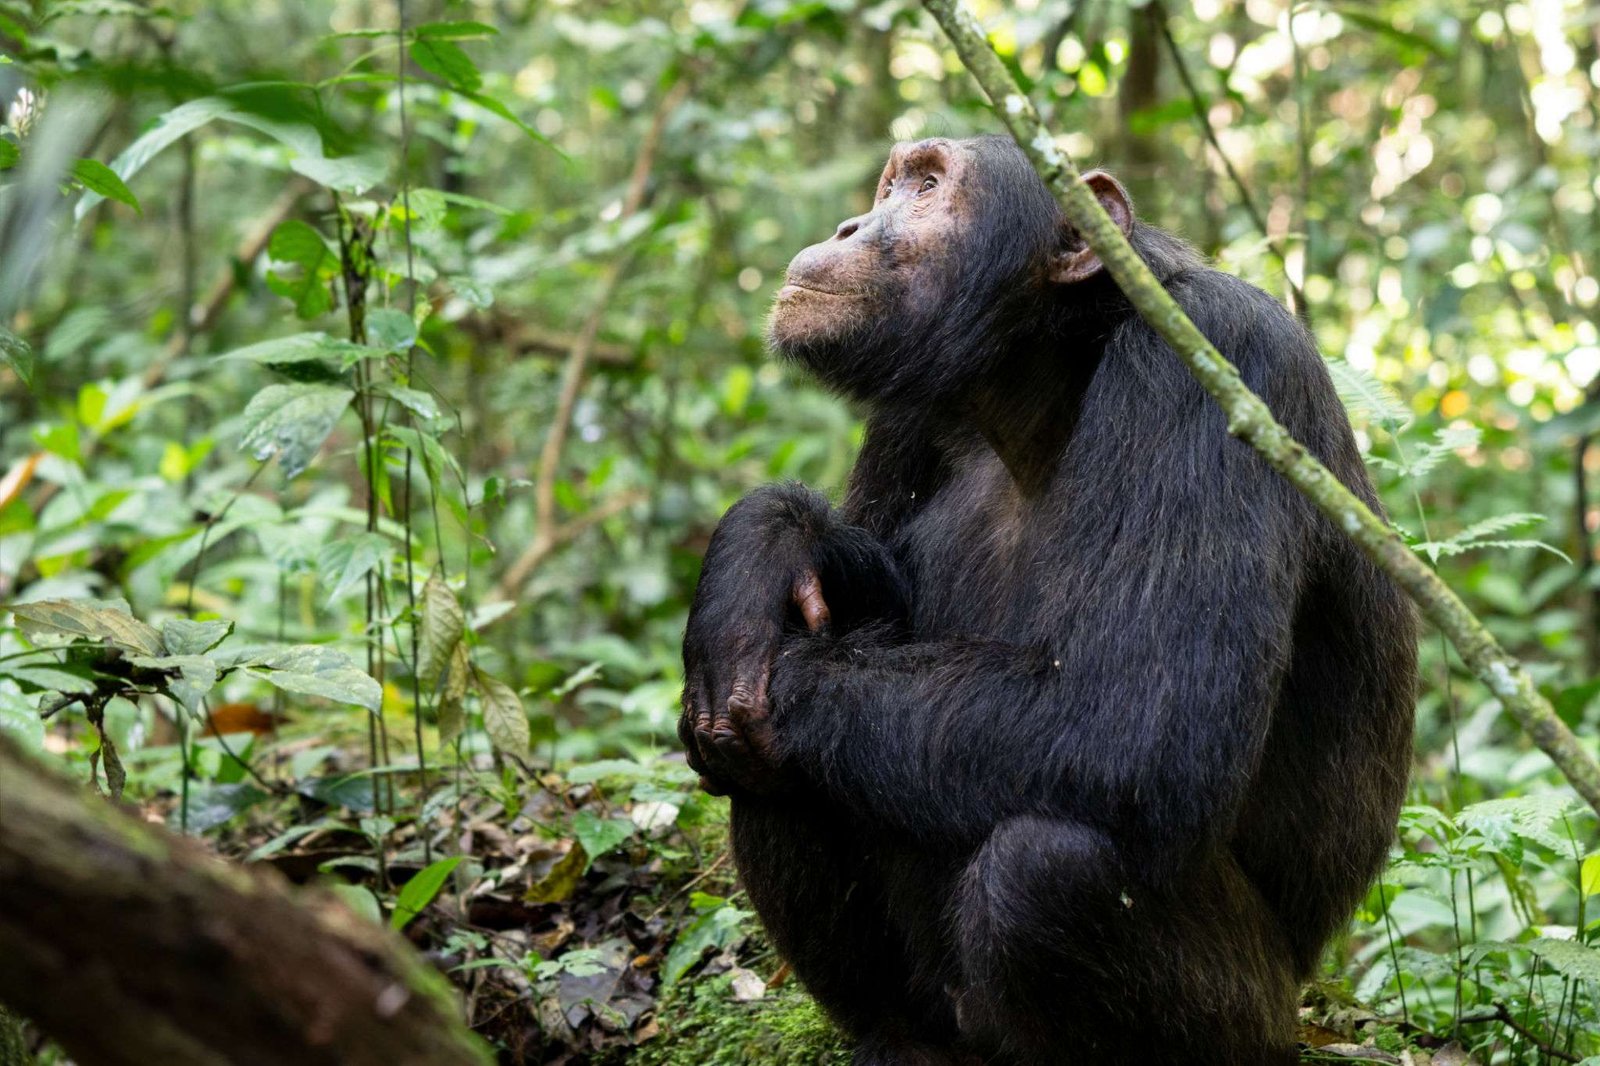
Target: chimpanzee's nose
pixel 848 227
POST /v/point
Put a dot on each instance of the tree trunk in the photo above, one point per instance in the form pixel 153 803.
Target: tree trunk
pixel 127 944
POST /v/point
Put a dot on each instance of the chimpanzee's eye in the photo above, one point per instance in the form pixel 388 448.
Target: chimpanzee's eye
pixel 927 183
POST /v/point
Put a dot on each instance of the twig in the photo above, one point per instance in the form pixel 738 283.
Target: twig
pixel 522 568
pixel 1250 420
pixel 547 535
pixel 1500 1013
pixel 1201 107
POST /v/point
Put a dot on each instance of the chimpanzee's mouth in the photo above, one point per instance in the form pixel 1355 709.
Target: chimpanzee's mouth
pixel 792 287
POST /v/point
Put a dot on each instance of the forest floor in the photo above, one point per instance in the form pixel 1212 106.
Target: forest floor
pixel 588 917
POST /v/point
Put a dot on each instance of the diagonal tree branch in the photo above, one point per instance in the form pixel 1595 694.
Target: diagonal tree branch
pixel 1251 421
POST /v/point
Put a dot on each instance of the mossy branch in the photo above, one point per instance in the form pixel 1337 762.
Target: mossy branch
pixel 1251 421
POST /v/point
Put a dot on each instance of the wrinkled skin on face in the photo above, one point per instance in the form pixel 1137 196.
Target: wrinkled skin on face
pixel 895 254
pixel 961 238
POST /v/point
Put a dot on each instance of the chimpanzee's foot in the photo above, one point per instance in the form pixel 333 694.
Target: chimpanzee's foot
pixel 899 1050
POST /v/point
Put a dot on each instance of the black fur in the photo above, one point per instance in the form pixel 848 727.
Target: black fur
pixel 1111 727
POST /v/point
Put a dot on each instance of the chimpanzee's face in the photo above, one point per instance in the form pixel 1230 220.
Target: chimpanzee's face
pixel 895 262
pixel 963 250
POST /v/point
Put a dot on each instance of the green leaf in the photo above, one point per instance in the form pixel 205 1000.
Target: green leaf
pixel 343 563
pixel 296 243
pixel 391 329
pixel 1591 875
pixel 214 805
pixel 283 353
pixel 1533 817
pixel 719 927
pixel 504 718
pixel 9 154
pixel 291 422
pixel 453 30
pixel 360 899
pixel 109 621
pixel 183 637
pixel 162 134
pixel 1363 394
pixel 189 677
pixel 600 835
pixel 441 627
pixel 15 353
pixel 495 107
pixel 1569 958
pixel 315 670
pixel 353 174
pixel 422 404
pixel 19 719
pixel 96 177
pixel 417 893
pixel 439 57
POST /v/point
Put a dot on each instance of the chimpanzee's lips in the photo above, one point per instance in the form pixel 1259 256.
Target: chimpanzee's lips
pixel 792 287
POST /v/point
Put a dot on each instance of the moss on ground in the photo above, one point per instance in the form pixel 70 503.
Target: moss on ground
pixel 701 1024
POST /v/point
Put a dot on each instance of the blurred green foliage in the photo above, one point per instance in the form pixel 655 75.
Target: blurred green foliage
pixel 221 223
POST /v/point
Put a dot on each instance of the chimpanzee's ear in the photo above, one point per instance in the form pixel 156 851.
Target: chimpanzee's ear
pixel 1076 261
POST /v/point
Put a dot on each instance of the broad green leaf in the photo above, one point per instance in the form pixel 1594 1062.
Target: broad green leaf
pixel 1567 957
pixel 440 630
pixel 183 637
pixel 298 244
pixel 189 677
pixel 343 563
pixel 422 404
pixel 445 60
pixel 1591 875
pixel 360 899
pixel 96 177
pixel 417 893
pixel 9 155
pixel 315 670
pixel 291 422
pixel 214 805
pixel 15 353
pixel 47 678
pixel 600 835
pixel 719 927
pixel 452 690
pixel 165 131
pixel 108 621
pixel 504 718
pixel 19 718
pixel 353 174
pixel 391 329
pixel 282 353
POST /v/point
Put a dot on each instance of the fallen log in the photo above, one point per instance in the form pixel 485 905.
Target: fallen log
pixel 128 944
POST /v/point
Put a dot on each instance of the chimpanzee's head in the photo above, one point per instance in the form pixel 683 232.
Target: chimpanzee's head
pixel 963 252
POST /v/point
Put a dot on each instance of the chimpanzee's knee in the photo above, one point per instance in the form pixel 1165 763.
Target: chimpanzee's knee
pixel 1069 956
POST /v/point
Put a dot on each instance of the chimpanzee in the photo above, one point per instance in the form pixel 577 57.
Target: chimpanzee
pixel 1073 735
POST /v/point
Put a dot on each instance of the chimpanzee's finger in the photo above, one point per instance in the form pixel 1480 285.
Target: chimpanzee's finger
pixel 695 723
pixel 807 595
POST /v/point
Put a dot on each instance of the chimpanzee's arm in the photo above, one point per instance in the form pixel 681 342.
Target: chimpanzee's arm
pixel 780 560
pixel 1141 702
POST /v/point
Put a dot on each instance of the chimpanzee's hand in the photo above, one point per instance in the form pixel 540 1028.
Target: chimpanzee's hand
pixel 759 576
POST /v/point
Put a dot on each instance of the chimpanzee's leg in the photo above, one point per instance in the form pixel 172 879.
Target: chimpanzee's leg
pixel 1067 958
pixel 879 971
